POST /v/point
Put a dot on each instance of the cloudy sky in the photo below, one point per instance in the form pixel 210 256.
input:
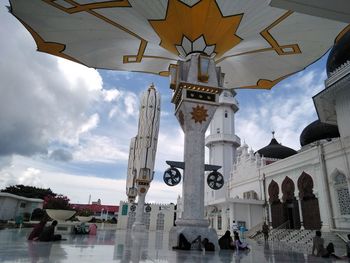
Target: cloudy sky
pixel 68 127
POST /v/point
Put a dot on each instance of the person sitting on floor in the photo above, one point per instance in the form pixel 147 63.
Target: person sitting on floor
pixel 226 241
pixel 318 245
pixel 196 244
pixel 238 243
pixel 34 235
pixel 48 234
pixel 183 243
pixel 208 246
pixel 330 252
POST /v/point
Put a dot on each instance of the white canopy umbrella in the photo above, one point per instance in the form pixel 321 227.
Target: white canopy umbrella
pixel 255 44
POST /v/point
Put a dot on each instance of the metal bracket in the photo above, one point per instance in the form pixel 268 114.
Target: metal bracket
pixel 181 165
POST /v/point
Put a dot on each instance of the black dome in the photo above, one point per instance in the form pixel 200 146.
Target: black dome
pixel 276 150
pixel 316 131
pixel 339 54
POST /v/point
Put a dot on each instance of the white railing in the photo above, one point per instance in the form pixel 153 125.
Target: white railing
pixel 223 137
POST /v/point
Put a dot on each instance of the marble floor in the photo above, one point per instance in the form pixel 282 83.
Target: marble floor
pixel 121 246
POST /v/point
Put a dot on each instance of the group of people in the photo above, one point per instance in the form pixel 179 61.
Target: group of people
pixel 227 242
pixel 41 232
pixel 196 244
pixel 319 250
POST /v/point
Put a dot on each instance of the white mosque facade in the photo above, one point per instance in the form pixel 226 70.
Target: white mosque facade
pixel 304 189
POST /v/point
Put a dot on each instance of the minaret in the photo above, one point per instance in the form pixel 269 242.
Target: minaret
pixel 222 142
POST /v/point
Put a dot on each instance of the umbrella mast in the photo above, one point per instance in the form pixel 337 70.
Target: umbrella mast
pixel 197 84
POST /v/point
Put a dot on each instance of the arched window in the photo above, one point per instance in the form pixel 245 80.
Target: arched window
pixel 226 113
pixel 273 192
pixel 219 222
pixel 342 191
pixel 147 219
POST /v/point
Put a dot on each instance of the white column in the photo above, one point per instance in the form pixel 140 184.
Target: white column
pixel 326 202
pixel 224 218
pixel 249 225
pixel 138 224
pixel 270 215
pixel 300 214
pixel 232 214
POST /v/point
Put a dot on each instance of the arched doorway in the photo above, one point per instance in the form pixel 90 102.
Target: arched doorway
pixel 276 206
pixel 290 204
pixel 309 202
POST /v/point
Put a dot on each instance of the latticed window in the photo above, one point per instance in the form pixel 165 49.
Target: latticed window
pixel 147 219
pixel 160 221
pixel 342 190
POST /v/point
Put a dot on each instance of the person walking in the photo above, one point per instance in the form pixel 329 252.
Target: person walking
pixel 265 230
pixel 234 226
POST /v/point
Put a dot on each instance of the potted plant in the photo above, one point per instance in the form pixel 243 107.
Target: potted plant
pixel 58 207
pixel 84 215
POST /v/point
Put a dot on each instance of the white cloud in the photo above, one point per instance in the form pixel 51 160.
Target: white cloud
pixel 30 176
pixel 97 148
pixel 111 95
pixel 131 103
pixel 90 124
pixel 126 105
pixel 79 76
pixel 287 113
pixel 43 98
pixel 170 147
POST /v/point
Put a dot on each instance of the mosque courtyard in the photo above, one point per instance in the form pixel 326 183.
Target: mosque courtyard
pixel 120 246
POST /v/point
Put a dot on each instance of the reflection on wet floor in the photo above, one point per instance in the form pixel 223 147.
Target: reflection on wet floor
pixel 121 246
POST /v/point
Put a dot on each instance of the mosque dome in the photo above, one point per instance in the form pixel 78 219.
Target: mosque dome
pixel 276 150
pixel 316 131
pixel 339 54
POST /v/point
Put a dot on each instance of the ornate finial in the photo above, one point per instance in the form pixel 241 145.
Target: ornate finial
pixel 273 134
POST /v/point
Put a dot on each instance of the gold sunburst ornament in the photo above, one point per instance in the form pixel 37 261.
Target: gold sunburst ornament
pixel 199 114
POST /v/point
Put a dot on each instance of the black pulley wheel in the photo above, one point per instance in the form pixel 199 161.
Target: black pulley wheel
pixel 172 176
pixel 215 180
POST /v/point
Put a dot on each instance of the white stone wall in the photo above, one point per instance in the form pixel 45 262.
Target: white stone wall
pixel 336 160
pixel 167 210
pixel 10 205
pixel 250 212
pixel 245 174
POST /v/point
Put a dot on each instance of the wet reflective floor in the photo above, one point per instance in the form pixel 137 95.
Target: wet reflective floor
pixel 121 246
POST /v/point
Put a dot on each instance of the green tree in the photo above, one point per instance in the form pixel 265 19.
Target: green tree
pixel 28 191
